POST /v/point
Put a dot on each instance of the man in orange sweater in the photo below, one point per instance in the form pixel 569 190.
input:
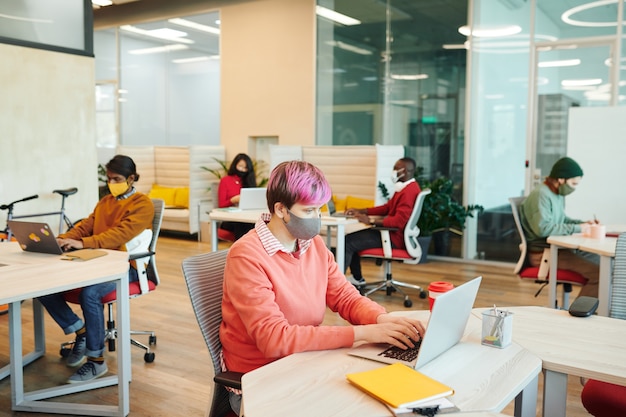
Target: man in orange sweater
pixel 396 212
pixel 280 277
pixel 116 219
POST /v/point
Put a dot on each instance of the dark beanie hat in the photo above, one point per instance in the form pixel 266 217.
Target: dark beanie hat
pixel 566 168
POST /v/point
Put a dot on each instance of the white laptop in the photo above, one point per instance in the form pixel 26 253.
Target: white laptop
pixel 253 199
pixel 445 329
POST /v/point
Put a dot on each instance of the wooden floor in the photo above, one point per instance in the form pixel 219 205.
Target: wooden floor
pixel 179 381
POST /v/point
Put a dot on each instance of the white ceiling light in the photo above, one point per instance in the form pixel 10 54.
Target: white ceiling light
pixel 559 63
pixel 409 77
pixel 490 32
pixel 464 45
pixel 102 3
pixel 190 60
pixel 566 16
pixel 167 33
pixel 336 17
pixel 157 49
pixel 588 81
pixel 194 25
pixel 157 33
pixel 349 47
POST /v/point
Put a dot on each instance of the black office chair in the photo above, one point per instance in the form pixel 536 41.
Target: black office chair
pixel 387 254
pixel 204 275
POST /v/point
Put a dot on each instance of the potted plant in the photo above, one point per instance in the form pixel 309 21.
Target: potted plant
pixel 442 214
pixel 103 189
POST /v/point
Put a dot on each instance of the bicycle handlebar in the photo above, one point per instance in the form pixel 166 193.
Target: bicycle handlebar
pixel 6 206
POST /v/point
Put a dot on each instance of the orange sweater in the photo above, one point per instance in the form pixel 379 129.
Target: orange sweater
pixel 114 222
pixel 274 306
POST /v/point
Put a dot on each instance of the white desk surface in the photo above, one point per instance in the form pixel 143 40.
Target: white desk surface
pixel 27 275
pixel 591 347
pixel 314 383
pixel 604 247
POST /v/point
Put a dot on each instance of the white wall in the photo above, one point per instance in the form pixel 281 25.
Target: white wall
pixel 597 142
pixel 47 138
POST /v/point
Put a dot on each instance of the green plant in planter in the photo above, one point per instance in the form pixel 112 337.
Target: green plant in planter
pixel 441 212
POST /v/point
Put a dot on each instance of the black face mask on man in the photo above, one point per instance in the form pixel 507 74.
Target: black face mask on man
pixel 302 228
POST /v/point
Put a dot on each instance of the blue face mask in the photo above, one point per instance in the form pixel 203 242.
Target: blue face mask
pixel 302 228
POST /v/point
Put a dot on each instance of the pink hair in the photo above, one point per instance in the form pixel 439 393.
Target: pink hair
pixel 294 182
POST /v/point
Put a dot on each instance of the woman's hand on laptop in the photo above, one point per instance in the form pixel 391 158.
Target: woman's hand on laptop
pixel 395 330
pixel 68 244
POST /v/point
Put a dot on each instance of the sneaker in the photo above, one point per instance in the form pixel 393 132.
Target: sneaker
pixel 77 354
pixel 90 370
pixel 357 282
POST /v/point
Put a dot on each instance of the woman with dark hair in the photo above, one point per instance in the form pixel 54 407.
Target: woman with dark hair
pixel 240 175
pixel 117 218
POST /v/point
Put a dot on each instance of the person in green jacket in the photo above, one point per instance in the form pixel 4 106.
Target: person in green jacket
pixel 543 214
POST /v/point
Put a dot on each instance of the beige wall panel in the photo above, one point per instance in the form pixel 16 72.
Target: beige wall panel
pixel 47 135
pixel 268 73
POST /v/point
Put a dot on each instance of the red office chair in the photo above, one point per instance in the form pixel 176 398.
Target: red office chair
pixel 539 274
pixel 387 254
pixel 141 250
pixel 225 235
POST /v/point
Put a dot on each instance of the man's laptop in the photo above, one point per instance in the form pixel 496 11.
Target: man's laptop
pixel 445 329
pixel 253 198
pixel 332 210
pixel 35 237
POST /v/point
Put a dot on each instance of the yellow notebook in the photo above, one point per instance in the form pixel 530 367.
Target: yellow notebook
pixel 399 386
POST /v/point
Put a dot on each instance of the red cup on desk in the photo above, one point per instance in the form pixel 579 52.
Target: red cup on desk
pixel 435 289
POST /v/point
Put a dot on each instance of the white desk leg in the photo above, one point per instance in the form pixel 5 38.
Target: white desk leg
pixel 213 235
pixel 554 394
pixel 554 258
pixel 526 401
pixel 15 341
pixel 341 243
pixel 604 286
pixel 123 347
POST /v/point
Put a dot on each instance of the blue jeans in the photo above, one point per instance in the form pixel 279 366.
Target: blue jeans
pixel 93 312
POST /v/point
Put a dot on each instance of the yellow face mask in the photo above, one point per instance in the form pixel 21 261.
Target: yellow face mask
pixel 117 188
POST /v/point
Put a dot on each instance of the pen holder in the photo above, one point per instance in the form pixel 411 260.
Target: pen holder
pixel 497 328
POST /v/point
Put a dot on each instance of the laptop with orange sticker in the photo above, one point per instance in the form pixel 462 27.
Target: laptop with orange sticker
pixel 35 237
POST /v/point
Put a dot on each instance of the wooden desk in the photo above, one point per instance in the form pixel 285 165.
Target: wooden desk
pixel 251 216
pixel 314 383
pixel 28 275
pixel 590 347
pixel 603 247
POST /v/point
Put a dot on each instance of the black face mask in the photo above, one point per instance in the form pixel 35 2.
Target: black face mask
pixel 241 174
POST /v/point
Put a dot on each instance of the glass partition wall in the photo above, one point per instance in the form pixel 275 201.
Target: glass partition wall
pixel 396 74
pixel 393 72
pixel 158 83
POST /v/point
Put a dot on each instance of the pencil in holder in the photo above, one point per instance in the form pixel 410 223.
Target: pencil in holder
pixel 497 328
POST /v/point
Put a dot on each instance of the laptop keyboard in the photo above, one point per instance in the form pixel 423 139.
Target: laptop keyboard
pixel 407 355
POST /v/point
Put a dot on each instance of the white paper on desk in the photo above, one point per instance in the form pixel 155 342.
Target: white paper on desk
pixel 445 406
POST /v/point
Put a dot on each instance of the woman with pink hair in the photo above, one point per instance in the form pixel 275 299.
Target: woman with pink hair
pixel 280 278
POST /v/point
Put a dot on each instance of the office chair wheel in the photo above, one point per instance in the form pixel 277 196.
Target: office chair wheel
pixel 148 357
pixel 407 302
pixel 152 340
pixel 423 294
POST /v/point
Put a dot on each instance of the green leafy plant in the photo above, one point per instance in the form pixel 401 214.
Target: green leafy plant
pixel 102 174
pixel 441 211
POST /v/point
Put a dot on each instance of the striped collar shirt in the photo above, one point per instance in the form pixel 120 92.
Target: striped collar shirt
pixel 271 244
